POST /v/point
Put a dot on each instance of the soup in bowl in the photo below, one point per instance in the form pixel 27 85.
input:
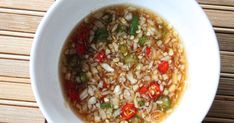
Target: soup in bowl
pixel 124 61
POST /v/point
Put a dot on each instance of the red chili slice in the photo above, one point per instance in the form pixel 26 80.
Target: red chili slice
pixel 163 67
pixel 83 33
pixel 80 49
pixel 70 85
pixel 72 93
pixel 148 51
pixel 143 90
pixel 128 111
pixel 105 85
pixel 101 56
pixel 154 90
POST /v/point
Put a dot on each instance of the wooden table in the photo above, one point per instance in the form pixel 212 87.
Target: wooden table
pixel 18 22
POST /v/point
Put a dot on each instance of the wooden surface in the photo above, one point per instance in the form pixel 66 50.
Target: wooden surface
pixel 18 22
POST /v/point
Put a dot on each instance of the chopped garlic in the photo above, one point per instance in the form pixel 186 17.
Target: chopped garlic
pixel 107 67
pixel 84 94
pixel 92 101
pixel 130 78
pixel 117 90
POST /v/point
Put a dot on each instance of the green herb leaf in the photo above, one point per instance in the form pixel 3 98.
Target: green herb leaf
pixel 105 105
pixel 121 28
pixel 142 40
pixel 141 103
pixel 101 34
pixel 130 59
pixel 72 60
pixel 137 119
pixel 134 24
pixel 83 77
pixel 166 103
pixel 123 48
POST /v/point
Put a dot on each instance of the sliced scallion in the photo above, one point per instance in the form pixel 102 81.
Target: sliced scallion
pixel 134 25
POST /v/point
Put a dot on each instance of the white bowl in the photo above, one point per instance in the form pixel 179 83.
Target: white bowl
pixel 185 15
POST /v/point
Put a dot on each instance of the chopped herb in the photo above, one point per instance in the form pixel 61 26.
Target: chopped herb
pixel 130 59
pixel 164 31
pixel 83 77
pixel 141 103
pixel 72 60
pixel 101 34
pixel 137 119
pixel 105 105
pixel 142 40
pixel 123 48
pixel 166 103
pixel 121 28
pixel 134 25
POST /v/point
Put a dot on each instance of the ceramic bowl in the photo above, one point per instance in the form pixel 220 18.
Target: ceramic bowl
pixel 186 16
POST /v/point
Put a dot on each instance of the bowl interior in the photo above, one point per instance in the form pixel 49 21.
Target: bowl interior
pixel 185 16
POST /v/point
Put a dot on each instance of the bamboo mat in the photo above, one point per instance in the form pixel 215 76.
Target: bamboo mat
pixel 18 22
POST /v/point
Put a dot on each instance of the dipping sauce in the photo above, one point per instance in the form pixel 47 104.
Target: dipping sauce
pixel 123 64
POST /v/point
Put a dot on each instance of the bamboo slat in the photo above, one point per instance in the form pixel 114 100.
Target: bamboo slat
pixel 221 18
pixel 222 109
pixel 15 45
pixel 19 23
pixel 37 5
pixel 218 2
pixel 16 91
pixel 14 79
pixel 14 68
pixel 16 114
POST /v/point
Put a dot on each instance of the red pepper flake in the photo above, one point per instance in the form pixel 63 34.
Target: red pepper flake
pixel 83 32
pixel 148 51
pixel 106 85
pixel 128 111
pixel 70 85
pixel 102 97
pixel 73 95
pixel 101 56
pixel 163 67
pixel 80 49
pixel 72 92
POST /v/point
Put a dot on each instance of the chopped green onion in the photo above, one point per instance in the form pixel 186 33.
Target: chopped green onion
pixel 83 77
pixel 166 103
pixel 142 40
pixel 105 105
pixel 133 25
pixel 141 103
pixel 164 31
pixel 72 60
pixel 121 28
pixel 123 48
pixel 130 59
pixel 137 119
pixel 101 34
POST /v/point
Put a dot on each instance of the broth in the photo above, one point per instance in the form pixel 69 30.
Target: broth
pixel 123 64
